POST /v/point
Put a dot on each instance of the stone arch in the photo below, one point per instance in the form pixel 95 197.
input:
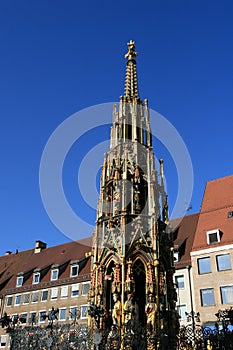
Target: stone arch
pixel 139 274
pixel 108 279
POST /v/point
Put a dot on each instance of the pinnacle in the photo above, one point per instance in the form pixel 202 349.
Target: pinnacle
pixel 131 83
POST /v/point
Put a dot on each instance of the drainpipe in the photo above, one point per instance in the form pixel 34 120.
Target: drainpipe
pixel 2 298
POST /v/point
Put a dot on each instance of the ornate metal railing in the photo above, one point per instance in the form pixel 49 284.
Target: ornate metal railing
pixel 130 336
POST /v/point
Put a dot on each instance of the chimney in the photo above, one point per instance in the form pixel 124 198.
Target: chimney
pixel 39 246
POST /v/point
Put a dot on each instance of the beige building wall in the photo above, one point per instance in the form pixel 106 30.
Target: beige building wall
pixel 68 296
pixel 212 281
pixel 185 296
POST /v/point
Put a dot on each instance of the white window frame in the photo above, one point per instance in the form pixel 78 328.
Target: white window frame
pixel 52 272
pixel 39 316
pixel 59 317
pixel 54 291
pixel 74 289
pixel 44 300
pixel 30 315
pixel 182 309
pixel 3 341
pixel 208 233
pixel 81 316
pixel 15 316
pixel 23 313
pixel 71 316
pixel 9 296
pixel 64 292
pixel 85 283
pixel 24 297
pixel 19 281
pixel 34 293
pixel 71 270
pixel 176 256
pixel 18 295
pixel 34 278
pixel 181 276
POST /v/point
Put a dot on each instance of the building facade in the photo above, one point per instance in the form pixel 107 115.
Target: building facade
pixel 183 233
pixel 212 251
pixel 35 282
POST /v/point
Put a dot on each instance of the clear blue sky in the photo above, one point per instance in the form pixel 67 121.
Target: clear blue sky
pixel 58 57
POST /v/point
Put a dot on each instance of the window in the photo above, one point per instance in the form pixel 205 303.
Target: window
pixel 64 291
pixel 74 270
pixel 9 301
pixel 42 316
pixel 62 314
pixel 54 292
pixel 204 265
pixel 35 296
pixel 176 256
pixel 75 290
pixel 230 214
pixel 227 294
pixel 44 295
pixel 32 318
pixel 36 278
pixel 213 236
pixel 23 318
pixel 179 281
pixel 3 341
pixel 223 262
pixel 17 299
pixel 85 288
pixel 54 274
pixel 15 318
pixel 207 297
pixel 84 311
pixel 19 281
pixel 73 313
pixel 53 314
pixel 181 311
pixel 26 298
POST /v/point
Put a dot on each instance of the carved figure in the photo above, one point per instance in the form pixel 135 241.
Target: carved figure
pixel 129 308
pixel 151 309
pixel 137 174
pixel 116 313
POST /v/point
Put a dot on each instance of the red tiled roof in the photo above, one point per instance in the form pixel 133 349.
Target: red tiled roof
pixel 184 231
pixel 27 261
pixel 217 202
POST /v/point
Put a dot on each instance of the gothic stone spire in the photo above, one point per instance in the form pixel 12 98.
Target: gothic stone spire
pixel 131 83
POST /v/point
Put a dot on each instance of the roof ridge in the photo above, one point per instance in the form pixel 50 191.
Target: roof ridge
pixel 220 178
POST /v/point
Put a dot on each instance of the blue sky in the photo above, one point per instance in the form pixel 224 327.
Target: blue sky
pixel 58 57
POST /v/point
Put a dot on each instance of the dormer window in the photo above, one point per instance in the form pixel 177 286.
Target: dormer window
pixel 213 236
pixel 54 274
pixel 176 256
pixel 74 268
pixel 36 278
pixel 19 281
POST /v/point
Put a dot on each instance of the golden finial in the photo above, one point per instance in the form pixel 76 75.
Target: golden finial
pixel 131 51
